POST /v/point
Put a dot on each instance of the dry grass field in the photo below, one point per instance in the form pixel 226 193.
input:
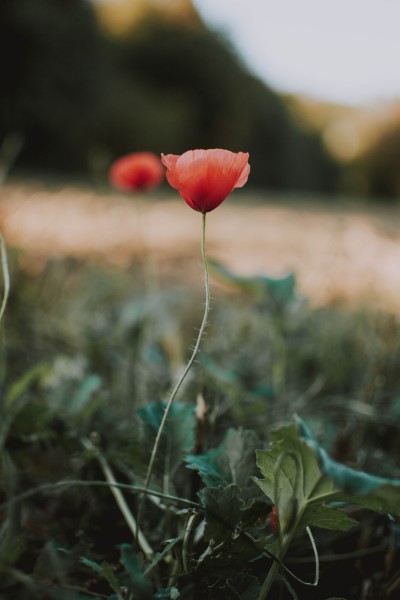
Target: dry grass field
pixel 341 251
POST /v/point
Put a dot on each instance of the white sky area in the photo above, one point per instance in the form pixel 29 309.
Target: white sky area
pixel 345 51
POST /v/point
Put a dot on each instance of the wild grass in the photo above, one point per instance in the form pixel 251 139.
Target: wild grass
pixel 86 356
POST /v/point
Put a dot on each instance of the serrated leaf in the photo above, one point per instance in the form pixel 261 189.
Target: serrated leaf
pixel 222 512
pixel 356 487
pixel 297 468
pixel 298 474
pixel 178 435
pixel 233 461
pixel 227 516
pixel 326 517
pixel 292 474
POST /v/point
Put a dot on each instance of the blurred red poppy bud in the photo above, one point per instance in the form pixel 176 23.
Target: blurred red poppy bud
pixel 204 178
pixel 136 171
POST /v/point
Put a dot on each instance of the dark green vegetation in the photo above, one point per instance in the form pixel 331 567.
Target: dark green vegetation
pixel 89 355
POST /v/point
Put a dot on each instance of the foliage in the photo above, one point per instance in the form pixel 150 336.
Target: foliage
pixel 83 387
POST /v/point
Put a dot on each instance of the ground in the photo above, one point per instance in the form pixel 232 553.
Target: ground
pixel 340 250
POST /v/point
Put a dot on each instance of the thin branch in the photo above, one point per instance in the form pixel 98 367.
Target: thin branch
pixel 52 487
pixel 120 500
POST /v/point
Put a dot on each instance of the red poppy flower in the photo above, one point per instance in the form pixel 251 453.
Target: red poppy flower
pixel 204 178
pixel 136 171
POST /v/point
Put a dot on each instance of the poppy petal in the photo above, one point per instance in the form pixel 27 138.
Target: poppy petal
pixel 204 178
pixel 136 171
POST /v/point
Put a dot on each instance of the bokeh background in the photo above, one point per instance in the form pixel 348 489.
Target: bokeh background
pixel 83 82
pixel 311 94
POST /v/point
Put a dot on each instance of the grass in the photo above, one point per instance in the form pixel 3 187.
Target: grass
pixel 87 351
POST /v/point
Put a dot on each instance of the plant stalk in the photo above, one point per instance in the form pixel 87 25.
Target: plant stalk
pixel 121 502
pixel 273 572
pixel 185 372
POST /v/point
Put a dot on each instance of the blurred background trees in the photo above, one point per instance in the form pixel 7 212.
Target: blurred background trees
pixel 81 95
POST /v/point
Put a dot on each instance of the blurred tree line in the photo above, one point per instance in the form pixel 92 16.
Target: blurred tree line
pixel 80 98
pixel 379 164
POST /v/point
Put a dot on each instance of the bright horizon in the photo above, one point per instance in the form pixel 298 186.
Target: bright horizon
pixel 343 51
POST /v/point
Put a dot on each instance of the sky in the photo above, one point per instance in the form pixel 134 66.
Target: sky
pixel 345 51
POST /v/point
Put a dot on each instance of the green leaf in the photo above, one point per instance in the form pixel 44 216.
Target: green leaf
pixel 109 575
pixel 18 388
pixel 222 512
pixel 356 487
pixel 233 461
pixel 349 480
pixel 228 512
pixel 227 518
pixel 18 412
pixel 89 563
pixel 280 290
pixel 178 435
pixel 139 585
pixel 294 481
pixel 160 555
pixel 297 461
pixel 106 570
pixel 297 471
pixel 326 517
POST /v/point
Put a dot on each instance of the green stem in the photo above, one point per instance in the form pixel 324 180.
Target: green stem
pixel 53 487
pixel 185 372
pixel 285 537
pixel 120 500
pixel 273 572
pixel 6 276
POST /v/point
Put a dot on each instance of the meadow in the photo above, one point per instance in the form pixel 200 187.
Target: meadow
pixel 297 375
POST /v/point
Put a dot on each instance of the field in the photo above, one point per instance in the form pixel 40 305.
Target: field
pixel 106 299
pixel 340 250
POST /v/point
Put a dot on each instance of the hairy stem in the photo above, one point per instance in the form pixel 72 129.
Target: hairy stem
pixel 187 368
